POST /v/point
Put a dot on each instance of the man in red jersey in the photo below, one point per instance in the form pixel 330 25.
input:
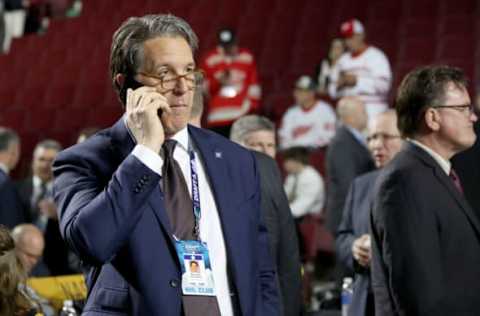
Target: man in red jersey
pixel 231 83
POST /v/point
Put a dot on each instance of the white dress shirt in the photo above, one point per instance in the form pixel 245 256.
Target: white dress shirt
pixel 444 163
pixel 210 226
pixel 305 191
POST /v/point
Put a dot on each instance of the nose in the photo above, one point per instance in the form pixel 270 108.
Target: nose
pixel 181 86
pixel 474 116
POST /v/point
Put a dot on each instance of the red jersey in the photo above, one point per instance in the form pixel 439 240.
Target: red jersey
pixel 232 84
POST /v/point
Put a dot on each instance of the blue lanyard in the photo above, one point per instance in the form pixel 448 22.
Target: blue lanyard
pixel 195 193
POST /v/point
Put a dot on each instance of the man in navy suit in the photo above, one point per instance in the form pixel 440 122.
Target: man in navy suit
pixel 12 212
pixel 353 239
pixel 112 198
pixel 425 236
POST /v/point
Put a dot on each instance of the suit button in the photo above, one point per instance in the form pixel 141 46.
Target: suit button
pixel 173 283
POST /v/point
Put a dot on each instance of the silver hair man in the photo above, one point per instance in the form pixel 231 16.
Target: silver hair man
pixel 255 132
pixel 127 46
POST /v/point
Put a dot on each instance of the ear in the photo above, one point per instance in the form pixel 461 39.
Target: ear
pixel 120 80
pixel 432 119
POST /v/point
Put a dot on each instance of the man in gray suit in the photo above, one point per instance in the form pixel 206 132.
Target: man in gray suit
pixel 347 157
pixel 258 133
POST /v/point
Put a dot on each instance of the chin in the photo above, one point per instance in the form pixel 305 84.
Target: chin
pixel 173 124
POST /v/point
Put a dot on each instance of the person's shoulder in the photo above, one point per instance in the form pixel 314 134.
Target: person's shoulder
pixel 218 141
pixel 367 178
pixel 95 144
pixel 95 153
pixel 245 55
pixel 293 110
pixel 263 159
pixel 310 171
pixel 323 106
pixel 374 51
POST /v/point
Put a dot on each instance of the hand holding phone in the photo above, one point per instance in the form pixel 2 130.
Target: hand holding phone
pixel 144 108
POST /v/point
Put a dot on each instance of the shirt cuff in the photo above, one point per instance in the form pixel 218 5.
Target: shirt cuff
pixel 149 158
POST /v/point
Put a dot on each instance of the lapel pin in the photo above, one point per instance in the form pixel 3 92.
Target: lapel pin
pixel 218 154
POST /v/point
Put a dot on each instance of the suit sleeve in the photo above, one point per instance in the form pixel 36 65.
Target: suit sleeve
pixel 408 250
pixel 288 254
pixel 267 274
pixel 345 235
pixel 96 219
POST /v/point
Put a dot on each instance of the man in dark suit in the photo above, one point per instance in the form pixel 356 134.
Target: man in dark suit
pixel 133 213
pixel 353 239
pixel 258 133
pixel 12 212
pixel 37 198
pixel 425 236
pixel 347 157
pixel 467 166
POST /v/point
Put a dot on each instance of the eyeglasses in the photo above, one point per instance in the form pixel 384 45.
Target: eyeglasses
pixel 169 81
pixel 468 109
pixel 382 137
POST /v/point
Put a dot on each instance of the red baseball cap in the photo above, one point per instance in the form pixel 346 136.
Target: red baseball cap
pixel 351 27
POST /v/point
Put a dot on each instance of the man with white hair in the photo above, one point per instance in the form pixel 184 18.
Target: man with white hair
pixel 364 71
pixel 258 133
pixel 255 132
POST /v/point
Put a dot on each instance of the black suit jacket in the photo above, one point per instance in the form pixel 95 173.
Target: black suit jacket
pixel 56 253
pixel 347 158
pixel 12 212
pixel 281 232
pixel 355 223
pixel 25 191
pixel 425 241
pixel 467 165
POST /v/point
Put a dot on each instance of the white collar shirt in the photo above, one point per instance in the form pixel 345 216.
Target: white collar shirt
pixel 210 225
pixel 444 163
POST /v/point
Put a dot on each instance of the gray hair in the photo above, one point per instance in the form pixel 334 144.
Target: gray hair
pixel 47 144
pixel 245 125
pixel 126 54
pixel 7 137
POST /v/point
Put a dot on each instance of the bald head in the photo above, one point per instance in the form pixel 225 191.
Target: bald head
pixel 29 245
pixel 351 112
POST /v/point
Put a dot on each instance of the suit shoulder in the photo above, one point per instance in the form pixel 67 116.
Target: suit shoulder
pixel 220 141
pixel 367 178
pixel 94 151
pixel 263 159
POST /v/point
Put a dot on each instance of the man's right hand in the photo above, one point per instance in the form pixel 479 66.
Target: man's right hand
pixel 142 108
pixel 361 250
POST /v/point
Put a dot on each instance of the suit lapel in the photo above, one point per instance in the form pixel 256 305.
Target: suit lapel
pixel 216 169
pixel 448 184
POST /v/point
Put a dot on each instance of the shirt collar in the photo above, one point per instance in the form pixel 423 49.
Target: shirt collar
pixel 37 182
pixel 182 138
pixel 444 163
pixel 4 168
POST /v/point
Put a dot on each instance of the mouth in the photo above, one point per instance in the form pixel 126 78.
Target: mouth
pixel 379 157
pixel 178 105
